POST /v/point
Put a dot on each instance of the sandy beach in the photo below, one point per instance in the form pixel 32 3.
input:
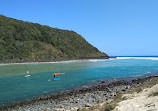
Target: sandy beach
pixel 54 61
pixel 142 101
pixel 62 61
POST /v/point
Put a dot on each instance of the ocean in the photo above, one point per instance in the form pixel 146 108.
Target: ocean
pixel 15 87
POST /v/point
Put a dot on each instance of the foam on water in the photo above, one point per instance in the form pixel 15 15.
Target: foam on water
pixel 97 60
pixel 148 58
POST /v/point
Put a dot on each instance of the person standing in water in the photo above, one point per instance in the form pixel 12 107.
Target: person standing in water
pixel 54 76
pixel 27 72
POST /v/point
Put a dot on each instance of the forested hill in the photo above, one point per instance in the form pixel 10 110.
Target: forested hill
pixel 25 42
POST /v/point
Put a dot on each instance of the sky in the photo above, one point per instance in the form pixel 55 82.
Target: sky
pixel 116 27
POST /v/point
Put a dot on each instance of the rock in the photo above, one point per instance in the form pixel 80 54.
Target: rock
pixel 102 81
pixel 88 105
pixel 78 109
pixel 99 101
pixel 123 90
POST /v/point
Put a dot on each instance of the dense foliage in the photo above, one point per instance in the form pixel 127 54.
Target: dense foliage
pixel 24 41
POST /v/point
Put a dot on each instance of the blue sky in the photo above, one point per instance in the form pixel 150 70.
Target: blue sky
pixel 116 27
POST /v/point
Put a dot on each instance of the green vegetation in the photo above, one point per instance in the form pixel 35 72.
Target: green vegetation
pixel 149 84
pixel 24 41
pixel 99 107
pixel 153 94
pixel 109 107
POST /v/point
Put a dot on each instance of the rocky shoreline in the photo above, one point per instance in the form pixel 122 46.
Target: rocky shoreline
pixel 85 96
pixel 144 99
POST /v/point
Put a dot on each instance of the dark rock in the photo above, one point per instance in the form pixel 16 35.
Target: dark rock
pixel 123 90
pixel 102 81
pixel 88 105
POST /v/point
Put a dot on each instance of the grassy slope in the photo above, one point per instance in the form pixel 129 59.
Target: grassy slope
pixel 24 41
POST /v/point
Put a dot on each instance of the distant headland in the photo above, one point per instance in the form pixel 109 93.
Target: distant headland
pixel 31 42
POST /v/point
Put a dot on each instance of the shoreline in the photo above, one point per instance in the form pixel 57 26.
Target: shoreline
pixel 55 61
pixel 144 99
pixel 76 60
pixel 88 95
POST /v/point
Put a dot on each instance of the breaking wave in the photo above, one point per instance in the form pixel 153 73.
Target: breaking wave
pixel 148 58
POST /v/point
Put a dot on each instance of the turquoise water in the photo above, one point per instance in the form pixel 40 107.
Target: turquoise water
pixel 14 86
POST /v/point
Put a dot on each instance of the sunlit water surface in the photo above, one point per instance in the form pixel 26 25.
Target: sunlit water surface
pixel 14 86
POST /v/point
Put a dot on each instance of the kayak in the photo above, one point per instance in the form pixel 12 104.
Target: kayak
pixel 58 73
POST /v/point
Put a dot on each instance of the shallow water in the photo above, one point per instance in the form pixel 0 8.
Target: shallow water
pixel 14 86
